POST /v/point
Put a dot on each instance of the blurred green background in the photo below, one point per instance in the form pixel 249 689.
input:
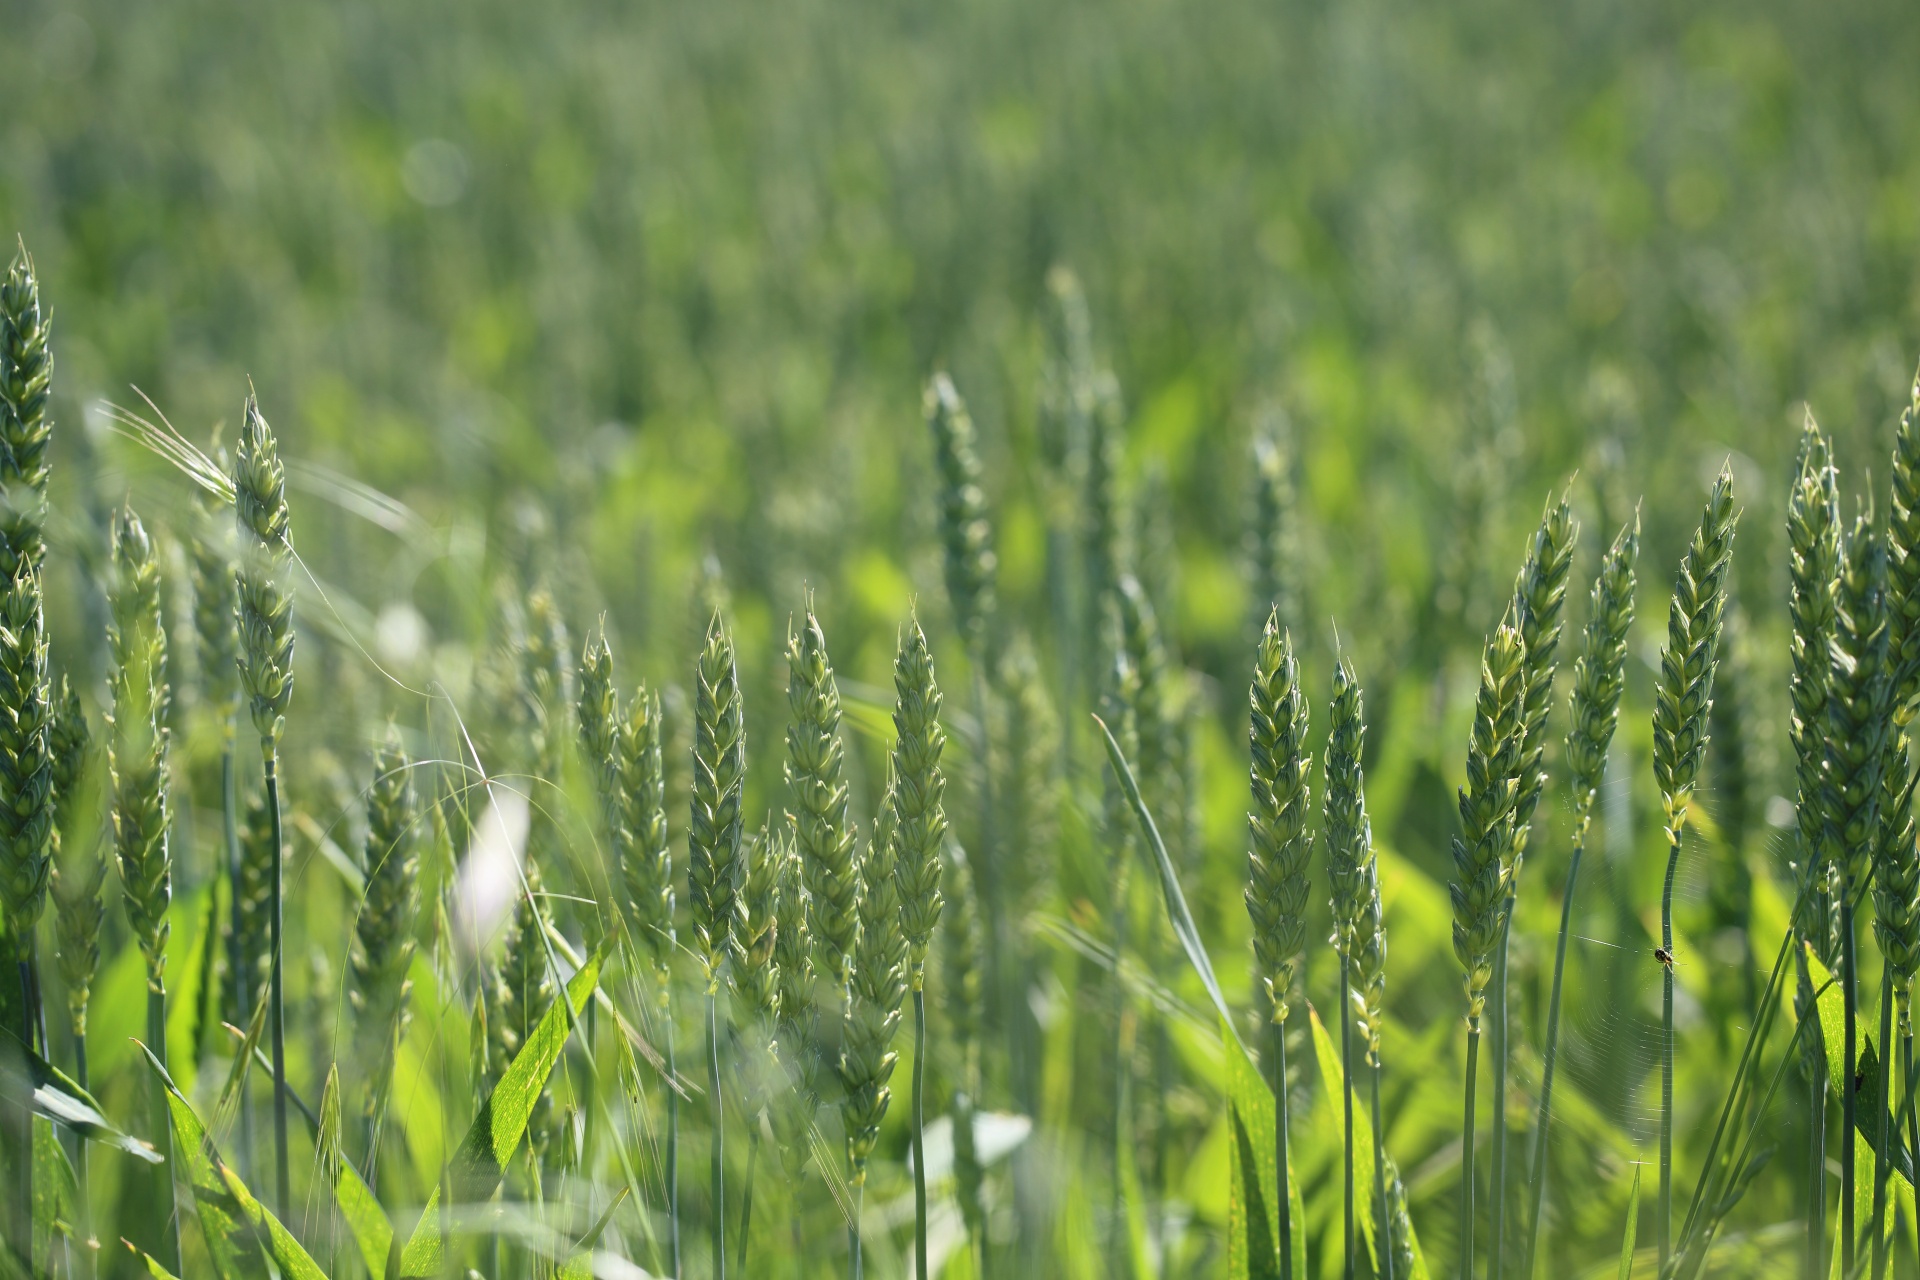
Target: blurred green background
pixel 638 300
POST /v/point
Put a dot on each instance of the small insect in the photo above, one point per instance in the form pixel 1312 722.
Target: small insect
pixel 1664 956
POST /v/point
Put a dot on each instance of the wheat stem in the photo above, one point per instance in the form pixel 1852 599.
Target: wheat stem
pixel 1466 1151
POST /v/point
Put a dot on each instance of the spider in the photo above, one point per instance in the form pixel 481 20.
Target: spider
pixel 1664 956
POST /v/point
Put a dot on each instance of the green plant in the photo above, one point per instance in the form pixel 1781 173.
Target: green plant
pixel 137 758
pixel 1682 699
pixel 26 426
pixel 1857 727
pixel 266 673
pixel 1896 872
pixel 824 839
pixel 713 866
pixel 1366 943
pixel 755 979
pixel 384 935
pixel 1813 546
pixel 919 826
pixel 1599 679
pixel 960 981
pixel 1480 859
pixel 878 986
pixel 1278 852
pixel 1351 869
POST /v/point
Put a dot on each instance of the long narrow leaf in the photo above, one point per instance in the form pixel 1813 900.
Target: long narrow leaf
pixel 1253 1220
pixel 51 1094
pixel 233 1222
pixel 481 1160
pixel 1630 1236
pixel 1868 1105
pixel 372 1232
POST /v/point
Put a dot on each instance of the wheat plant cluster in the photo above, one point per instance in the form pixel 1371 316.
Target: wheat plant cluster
pixel 543 965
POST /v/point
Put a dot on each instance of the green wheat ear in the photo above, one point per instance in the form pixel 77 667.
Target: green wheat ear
pixel 1684 690
pixel 1599 673
pixel 1813 546
pixel 1481 851
pixel 266 602
pixel 756 929
pixel 26 427
pixel 713 832
pixel 1279 847
pixel 26 760
pixel 793 976
pixel 216 606
pixel 920 823
pixel 1348 833
pixel 1273 544
pixel 1896 874
pixel 256 890
pixel 817 791
pixel 137 756
pixel 873 1007
pixel 384 930
pixel 1539 598
pixel 1857 695
pixel 79 873
pixel 965 530
pixel 1903 563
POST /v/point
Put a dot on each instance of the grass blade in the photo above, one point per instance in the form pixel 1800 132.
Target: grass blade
pixel 1632 1232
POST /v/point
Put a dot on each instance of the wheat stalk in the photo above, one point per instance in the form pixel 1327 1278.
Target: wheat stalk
pixel 1351 870
pixel 1480 859
pixel 960 980
pixel 1858 723
pixel 879 985
pixel 965 530
pixel 755 979
pixel 138 762
pixel 1599 677
pixel 1539 596
pixel 1813 555
pixel 266 673
pixel 1683 696
pixel 1278 852
pixel 713 863
pixel 919 824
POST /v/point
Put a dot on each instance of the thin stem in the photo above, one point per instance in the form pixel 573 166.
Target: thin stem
pixel 716 1172
pixel 746 1197
pixel 20 1138
pixel 1542 1124
pixel 1849 993
pixel 1906 1080
pixel 673 1136
pixel 92 1265
pixel 1817 1171
pixel 276 989
pixel 1880 1163
pixel 1497 1225
pixel 1466 1153
pixel 164 1208
pixel 855 1264
pixel 1346 1100
pixel 1663 1217
pixel 919 1144
pixel 1382 1223
pixel 237 938
pixel 1277 1032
